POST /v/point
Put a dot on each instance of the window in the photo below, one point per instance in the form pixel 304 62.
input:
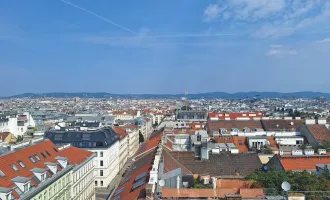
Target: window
pixel 47 153
pixel 96 153
pixel 45 195
pixel 55 150
pixel 37 157
pixel 26 187
pixel 101 163
pixel 50 191
pixel 21 163
pixel 101 183
pixel 14 167
pixel 32 159
pixel 43 177
pixel 101 154
pixel 240 142
pixel 55 186
pixel 43 155
pixel 101 172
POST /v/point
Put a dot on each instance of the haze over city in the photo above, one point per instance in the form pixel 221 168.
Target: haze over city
pixel 164 46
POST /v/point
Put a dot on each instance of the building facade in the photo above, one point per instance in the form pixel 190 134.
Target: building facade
pixel 42 171
pixel 103 142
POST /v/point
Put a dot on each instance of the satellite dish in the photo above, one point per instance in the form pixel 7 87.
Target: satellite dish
pixel 286 186
pixel 265 168
pixel 161 183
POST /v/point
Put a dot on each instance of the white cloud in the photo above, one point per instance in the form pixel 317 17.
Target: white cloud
pixel 272 18
pixel 325 40
pixel 212 12
pixel 280 50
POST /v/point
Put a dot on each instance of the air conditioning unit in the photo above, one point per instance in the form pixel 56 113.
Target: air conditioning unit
pixel 309 152
pixel 322 151
pixel 206 181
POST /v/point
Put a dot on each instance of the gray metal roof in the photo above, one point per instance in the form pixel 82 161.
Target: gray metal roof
pixel 50 163
pixel 102 138
pixel 5 190
pixel 38 170
pixel 20 179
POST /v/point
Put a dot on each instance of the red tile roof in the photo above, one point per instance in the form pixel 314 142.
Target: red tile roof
pixel 121 132
pixel 4 135
pixel 130 126
pixel 230 184
pixel 241 143
pixel 320 132
pixel 302 163
pixel 209 193
pixel 73 154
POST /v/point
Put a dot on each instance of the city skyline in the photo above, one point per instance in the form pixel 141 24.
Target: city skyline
pixel 164 48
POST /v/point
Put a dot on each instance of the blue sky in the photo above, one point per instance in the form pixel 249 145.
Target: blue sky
pixel 172 46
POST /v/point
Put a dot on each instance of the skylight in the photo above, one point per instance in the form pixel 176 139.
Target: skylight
pixel 21 164
pixel 37 157
pixel 2 174
pixel 32 160
pixel 14 167
pixel 47 153
pixel 43 155
pixel 55 149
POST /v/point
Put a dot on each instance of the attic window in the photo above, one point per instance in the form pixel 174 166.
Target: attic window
pixel 47 153
pixel 55 149
pixel 37 157
pixel 32 159
pixel 14 167
pixel 21 164
pixel 43 155
pixel 240 142
pixel 2 174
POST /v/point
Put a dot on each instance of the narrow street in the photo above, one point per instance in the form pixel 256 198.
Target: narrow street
pixel 103 193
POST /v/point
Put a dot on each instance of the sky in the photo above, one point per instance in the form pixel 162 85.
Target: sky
pixel 172 46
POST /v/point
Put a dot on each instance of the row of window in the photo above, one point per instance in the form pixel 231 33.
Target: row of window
pixel 82 171
pixel 53 190
pixel 81 186
pixel 32 158
pixel 96 183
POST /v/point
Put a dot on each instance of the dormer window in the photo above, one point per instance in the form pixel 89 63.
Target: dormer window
pixel 235 130
pixel 43 177
pixel 14 167
pixel 246 129
pixel 32 159
pixel 21 163
pixel 26 187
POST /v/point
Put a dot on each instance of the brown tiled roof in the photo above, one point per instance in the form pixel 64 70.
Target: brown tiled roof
pixel 229 124
pixel 170 163
pixel 73 154
pixel 320 132
pixel 4 135
pixel 281 125
pixel 225 165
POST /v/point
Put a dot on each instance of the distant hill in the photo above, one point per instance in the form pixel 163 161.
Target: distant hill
pixel 209 95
